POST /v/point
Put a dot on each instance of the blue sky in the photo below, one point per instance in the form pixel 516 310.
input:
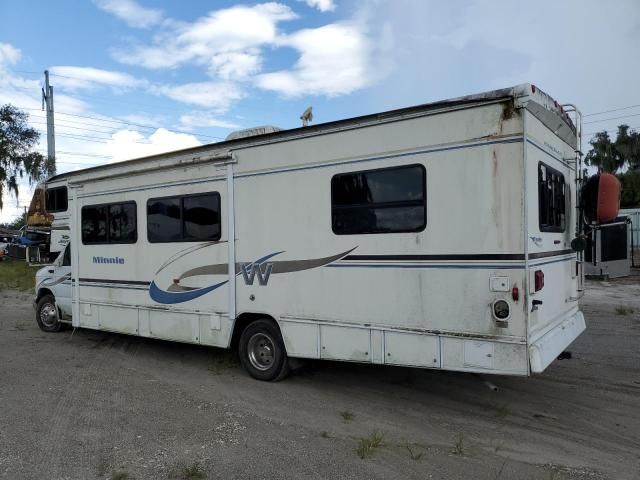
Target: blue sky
pixel 135 77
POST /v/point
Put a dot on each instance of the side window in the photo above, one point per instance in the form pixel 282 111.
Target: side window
pixel 110 223
pixel 66 260
pixel 551 199
pixel 387 200
pixel 188 218
pixel 56 199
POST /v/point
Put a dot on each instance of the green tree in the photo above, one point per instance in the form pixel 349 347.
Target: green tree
pixel 604 154
pixel 630 197
pixel 17 158
pixel 628 145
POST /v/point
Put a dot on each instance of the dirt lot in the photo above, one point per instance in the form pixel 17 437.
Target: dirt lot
pixel 96 405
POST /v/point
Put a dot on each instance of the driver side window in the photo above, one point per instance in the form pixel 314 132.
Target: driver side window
pixel 66 260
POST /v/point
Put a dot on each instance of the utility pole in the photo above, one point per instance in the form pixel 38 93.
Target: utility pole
pixel 47 101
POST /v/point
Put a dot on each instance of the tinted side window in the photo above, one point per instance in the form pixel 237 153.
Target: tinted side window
pixel 551 199
pixel 122 223
pixel 66 260
pixel 379 201
pixel 164 220
pixel 94 224
pixel 189 218
pixel 201 217
pixel 56 199
pixel 112 223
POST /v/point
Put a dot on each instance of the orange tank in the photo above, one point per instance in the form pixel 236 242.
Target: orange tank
pixel 609 189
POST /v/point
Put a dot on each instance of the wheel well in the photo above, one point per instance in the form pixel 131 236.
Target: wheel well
pixel 243 321
pixel 42 292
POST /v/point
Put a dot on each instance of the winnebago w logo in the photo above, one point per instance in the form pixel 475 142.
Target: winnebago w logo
pixel 250 270
pixel 169 288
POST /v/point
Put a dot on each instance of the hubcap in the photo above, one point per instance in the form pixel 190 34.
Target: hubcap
pixel 48 315
pixel 261 351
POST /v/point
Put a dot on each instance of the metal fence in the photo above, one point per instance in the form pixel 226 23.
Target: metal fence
pixel 634 230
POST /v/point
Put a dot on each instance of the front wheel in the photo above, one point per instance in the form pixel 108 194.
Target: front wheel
pixel 47 315
pixel 262 351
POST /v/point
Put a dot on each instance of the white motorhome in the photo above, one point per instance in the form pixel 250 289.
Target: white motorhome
pixel 436 236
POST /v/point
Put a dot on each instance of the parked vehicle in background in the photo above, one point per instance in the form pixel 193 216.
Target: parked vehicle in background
pixel 435 236
pixel 34 242
pixel 4 243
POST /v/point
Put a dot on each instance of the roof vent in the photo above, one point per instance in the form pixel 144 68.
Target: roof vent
pixel 252 132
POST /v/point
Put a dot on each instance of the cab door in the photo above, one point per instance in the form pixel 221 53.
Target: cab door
pixel 63 287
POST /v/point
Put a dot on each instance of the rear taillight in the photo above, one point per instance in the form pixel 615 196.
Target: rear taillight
pixel 515 294
pixel 539 280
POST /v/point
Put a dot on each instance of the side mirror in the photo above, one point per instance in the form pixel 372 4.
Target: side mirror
pixel 578 244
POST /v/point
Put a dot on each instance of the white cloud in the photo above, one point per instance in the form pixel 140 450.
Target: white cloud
pixel 9 54
pixel 236 65
pixel 334 60
pixel 227 41
pixel 218 95
pixel 89 77
pixel 446 49
pixel 127 144
pixel 204 119
pixel 322 5
pixel 131 12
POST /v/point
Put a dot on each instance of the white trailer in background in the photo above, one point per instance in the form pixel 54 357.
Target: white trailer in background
pixel 434 236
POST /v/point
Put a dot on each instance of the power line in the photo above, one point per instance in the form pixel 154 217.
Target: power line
pixel 79 154
pixel 612 110
pixel 75 128
pixel 130 123
pixel 84 138
pixel 608 131
pixel 613 118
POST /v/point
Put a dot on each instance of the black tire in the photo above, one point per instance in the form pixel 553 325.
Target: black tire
pixel 47 315
pixel 262 351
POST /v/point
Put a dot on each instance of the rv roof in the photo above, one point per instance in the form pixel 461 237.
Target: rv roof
pixel 531 92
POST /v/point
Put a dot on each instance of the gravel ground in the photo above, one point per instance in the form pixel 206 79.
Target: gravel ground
pixel 97 405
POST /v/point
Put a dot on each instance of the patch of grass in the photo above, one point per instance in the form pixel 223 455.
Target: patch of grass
pixel 413 452
pixel 17 275
pixel 624 310
pixel 347 415
pixel 119 476
pixel 458 444
pixel 367 445
pixel 188 472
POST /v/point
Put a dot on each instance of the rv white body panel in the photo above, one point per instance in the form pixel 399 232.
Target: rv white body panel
pixel 425 298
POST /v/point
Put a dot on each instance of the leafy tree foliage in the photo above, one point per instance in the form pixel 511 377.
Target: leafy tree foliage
pixel 17 158
pixel 630 189
pixel 604 154
pixel 611 156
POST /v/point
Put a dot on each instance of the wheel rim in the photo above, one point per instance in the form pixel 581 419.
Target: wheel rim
pixel 48 315
pixel 261 351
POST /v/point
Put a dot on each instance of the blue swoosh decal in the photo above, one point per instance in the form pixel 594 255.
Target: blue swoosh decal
pixel 165 297
pixel 162 296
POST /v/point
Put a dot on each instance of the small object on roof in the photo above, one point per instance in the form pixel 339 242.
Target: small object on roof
pixel 307 116
pixel 252 132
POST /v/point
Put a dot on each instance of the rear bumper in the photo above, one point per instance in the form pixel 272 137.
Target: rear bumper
pixel 546 348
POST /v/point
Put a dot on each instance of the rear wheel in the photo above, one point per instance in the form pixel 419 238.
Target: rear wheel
pixel 262 351
pixel 47 315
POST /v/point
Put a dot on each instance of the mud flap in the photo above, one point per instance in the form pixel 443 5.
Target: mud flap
pixel 547 348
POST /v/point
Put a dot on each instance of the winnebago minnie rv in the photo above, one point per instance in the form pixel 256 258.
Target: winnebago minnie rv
pixel 436 236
